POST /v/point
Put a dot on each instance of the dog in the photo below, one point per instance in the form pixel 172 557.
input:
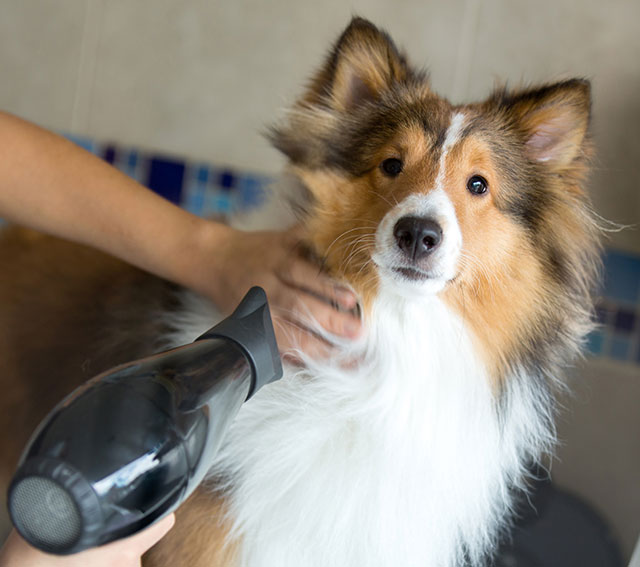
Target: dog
pixel 467 234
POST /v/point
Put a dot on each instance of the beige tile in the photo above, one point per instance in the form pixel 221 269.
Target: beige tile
pixel 599 456
pixel 550 39
pixel 203 78
pixel 40 46
pixel 424 30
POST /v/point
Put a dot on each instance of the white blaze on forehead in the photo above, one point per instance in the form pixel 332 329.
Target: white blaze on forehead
pixel 452 137
pixel 431 203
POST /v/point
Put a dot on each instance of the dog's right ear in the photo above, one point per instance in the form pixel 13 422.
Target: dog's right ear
pixel 363 63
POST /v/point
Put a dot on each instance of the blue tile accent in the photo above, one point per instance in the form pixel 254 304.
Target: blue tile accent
pixel 109 154
pixel 595 342
pixel 194 202
pixel 622 276
pixel 203 174
pixel 193 192
pixel 620 348
pixel 132 159
pixel 210 202
pixel 83 142
pixel 252 192
pixel 165 178
pixel 227 179
pixel 625 321
pixel 222 203
pixel 129 162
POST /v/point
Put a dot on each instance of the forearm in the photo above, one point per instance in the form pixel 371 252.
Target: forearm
pixel 52 185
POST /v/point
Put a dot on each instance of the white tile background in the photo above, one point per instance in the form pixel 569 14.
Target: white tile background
pixel 201 79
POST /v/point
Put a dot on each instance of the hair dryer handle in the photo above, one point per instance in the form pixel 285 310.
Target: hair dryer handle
pixel 250 327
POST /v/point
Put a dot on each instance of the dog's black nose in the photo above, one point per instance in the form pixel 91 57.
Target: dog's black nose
pixel 417 236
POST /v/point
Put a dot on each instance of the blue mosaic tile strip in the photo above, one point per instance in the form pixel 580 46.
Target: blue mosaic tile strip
pixel 618 309
pixel 165 178
pixel 202 188
pixel 622 277
pixel 84 143
pixel 206 189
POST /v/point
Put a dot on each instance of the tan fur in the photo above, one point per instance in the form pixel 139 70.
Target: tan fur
pixel 347 212
pixel 198 538
pixel 340 231
pixel 496 259
pixel 355 72
pixel 497 254
pixel 69 312
pixel 66 315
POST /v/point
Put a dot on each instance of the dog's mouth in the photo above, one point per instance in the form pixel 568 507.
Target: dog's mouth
pixel 412 274
pixel 418 276
pixel 413 277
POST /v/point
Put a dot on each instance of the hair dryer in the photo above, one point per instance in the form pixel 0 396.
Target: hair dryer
pixel 130 445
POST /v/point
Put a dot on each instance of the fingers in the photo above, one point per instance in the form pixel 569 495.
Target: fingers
pixel 298 271
pixel 312 311
pixel 309 324
pixel 310 279
pixel 311 308
pixel 293 339
pixel 143 541
pixel 127 552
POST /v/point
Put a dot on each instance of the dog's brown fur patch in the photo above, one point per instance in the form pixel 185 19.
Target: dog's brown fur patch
pixel 68 313
pixel 199 537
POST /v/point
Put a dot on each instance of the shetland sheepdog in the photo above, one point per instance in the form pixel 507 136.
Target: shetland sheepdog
pixel 466 233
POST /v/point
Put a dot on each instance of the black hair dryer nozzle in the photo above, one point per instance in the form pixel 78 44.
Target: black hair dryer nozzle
pixel 130 445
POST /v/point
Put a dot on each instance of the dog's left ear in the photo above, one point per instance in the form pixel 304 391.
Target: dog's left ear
pixel 553 121
pixel 362 65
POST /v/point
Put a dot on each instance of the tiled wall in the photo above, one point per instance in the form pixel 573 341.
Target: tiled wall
pixel 619 310
pixel 200 78
pixel 206 189
pixel 202 188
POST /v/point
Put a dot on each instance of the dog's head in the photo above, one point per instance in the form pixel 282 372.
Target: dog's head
pixel 480 203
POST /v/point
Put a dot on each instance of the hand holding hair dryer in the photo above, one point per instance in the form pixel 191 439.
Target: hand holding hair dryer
pixel 130 445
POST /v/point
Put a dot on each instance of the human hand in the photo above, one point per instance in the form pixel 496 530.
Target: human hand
pixel 122 553
pixel 92 203
pixel 301 296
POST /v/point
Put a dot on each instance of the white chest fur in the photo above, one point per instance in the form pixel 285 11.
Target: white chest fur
pixel 405 459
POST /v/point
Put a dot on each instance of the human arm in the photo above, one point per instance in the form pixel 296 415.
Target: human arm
pixel 52 185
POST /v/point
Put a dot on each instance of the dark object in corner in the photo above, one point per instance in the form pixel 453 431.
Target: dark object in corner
pixel 557 529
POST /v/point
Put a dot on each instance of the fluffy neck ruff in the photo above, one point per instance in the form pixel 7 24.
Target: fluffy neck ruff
pixel 407 458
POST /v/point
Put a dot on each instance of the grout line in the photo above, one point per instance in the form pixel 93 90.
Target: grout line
pixel 86 69
pixel 469 36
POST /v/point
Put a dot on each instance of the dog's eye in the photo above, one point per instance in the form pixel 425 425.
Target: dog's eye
pixel 391 167
pixel 477 185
